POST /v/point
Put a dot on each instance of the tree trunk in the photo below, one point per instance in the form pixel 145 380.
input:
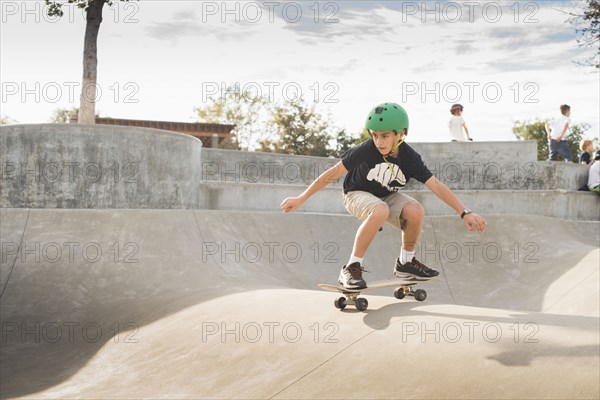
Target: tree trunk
pixel 87 101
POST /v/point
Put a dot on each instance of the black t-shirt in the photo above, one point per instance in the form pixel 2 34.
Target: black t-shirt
pixel 585 156
pixel 368 171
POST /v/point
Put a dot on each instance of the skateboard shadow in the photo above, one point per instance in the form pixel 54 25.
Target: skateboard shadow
pixel 381 318
pixel 528 324
pixel 520 358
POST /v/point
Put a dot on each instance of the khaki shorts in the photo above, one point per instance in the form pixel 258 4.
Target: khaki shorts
pixel 360 204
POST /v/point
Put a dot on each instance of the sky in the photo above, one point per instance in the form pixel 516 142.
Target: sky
pixel 502 60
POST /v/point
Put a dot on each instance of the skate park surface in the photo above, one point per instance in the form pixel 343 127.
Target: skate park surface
pixel 103 301
pixel 189 316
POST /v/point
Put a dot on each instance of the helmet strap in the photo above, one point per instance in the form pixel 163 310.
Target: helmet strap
pixel 389 165
pixel 395 146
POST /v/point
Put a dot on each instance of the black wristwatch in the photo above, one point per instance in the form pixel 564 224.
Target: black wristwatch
pixel 465 212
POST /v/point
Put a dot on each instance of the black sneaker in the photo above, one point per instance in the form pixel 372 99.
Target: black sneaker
pixel 351 276
pixel 414 269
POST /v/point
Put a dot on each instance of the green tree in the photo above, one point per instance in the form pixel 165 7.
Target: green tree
pixel 364 135
pixel 300 130
pixel 578 132
pixel 345 142
pixel 536 130
pixel 6 120
pixel 64 115
pixel 93 14
pixel 248 113
pixel 587 26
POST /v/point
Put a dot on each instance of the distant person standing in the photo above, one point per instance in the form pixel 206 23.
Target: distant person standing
pixel 586 148
pixel 457 125
pixel 557 132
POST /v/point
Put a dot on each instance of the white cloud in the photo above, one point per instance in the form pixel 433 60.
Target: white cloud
pixel 373 54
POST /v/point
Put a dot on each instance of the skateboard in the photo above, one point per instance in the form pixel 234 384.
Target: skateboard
pixel 404 287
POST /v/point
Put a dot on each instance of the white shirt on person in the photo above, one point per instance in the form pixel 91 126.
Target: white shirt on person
pixel 594 177
pixel 456 128
pixel 557 126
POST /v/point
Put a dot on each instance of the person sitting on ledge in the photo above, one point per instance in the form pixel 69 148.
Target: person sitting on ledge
pixel 594 176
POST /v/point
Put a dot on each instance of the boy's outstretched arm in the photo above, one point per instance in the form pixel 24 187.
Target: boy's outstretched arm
pixel 472 221
pixel 293 203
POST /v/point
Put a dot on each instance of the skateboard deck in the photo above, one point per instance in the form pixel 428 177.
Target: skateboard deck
pixel 372 285
pixel 404 287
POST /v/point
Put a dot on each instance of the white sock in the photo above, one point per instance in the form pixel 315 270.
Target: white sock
pixel 354 259
pixel 406 256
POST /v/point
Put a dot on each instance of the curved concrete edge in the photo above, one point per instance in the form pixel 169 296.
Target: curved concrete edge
pixel 93 129
pixel 570 205
pixel 98 166
pixel 13 223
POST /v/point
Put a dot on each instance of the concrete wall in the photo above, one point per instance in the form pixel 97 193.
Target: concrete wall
pixel 571 205
pixel 98 166
pixel 85 166
pixel 465 166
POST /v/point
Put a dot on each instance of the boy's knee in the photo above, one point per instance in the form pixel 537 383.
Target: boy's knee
pixel 412 211
pixel 381 212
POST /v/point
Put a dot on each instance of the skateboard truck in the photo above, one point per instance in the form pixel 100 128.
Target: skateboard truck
pixel 401 292
pixel 351 299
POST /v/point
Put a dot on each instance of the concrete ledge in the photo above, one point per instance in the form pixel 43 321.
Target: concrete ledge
pixel 480 166
pixel 571 205
pixel 103 166
pixel 98 166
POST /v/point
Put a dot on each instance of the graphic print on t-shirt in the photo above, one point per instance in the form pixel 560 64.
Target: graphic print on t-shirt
pixel 390 177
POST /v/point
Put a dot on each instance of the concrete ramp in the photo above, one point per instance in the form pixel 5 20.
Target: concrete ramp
pixel 219 304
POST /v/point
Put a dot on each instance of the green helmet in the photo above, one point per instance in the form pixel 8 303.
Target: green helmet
pixel 387 117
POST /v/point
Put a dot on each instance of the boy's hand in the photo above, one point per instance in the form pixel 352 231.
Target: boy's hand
pixel 291 204
pixel 474 222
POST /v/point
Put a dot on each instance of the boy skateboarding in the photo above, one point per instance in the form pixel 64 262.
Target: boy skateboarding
pixel 375 171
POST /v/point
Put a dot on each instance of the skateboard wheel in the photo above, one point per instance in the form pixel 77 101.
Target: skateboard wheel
pixel 340 303
pixel 420 294
pixel 362 304
pixel 399 293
